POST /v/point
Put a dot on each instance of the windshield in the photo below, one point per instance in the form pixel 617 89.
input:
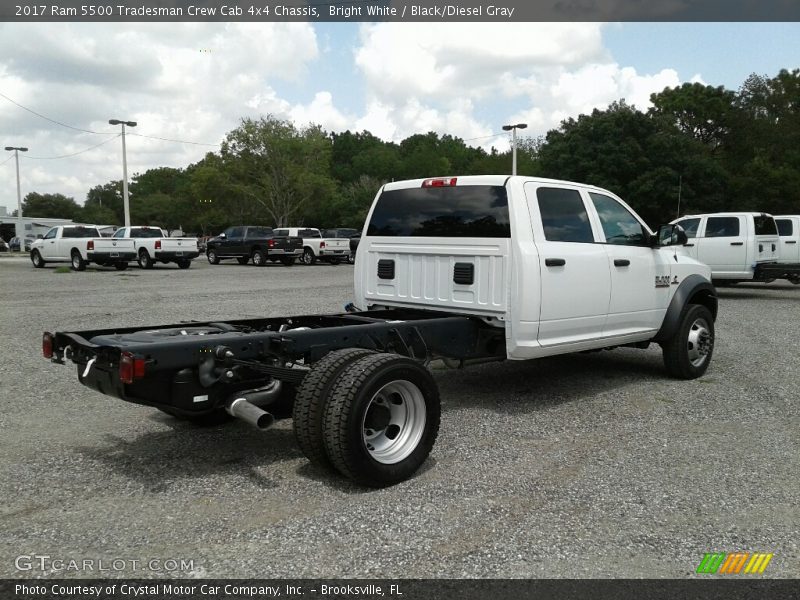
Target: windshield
pixel 449 211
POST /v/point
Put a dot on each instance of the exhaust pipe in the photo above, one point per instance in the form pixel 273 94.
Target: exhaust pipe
pixel 242 409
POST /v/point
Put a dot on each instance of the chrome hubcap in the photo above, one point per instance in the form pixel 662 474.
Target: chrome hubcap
pixel 699 343
pixel 394 422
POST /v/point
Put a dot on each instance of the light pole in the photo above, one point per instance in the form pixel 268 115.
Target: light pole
pixel 20 229
pixel 125 201
pixel 513 130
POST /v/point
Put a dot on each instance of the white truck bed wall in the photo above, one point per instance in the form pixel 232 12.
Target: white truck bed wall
pixel 424 273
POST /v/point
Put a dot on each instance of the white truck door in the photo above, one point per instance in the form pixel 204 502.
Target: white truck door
pixel 49 247
pixel 723 246
pixel 575 281
pixel 638 303
pixel 690 226
pixel 789 230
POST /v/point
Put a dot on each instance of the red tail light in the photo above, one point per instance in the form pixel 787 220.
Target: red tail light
pixel 440 182
pixel 130 367
pixel 322 244
pixel 158 244
pixel 47 345
pixel 271 243
pixel 90 245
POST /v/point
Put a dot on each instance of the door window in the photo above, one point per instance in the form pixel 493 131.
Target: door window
pixel 784 227
pixel 690 226
pixel 51 234
pixel 619 225
pixel 722 227
pixel 564 216
pixel 235 232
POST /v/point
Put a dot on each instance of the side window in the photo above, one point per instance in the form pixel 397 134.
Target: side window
pixel 51 234
pixel 119 233
pixel 722 227
pixel 564 216
pixel 765 225
pixel 235 232
pixel 281 232
pixel 785 228
pixel 619 225
pixel 690 227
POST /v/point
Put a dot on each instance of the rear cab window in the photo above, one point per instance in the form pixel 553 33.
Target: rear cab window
pixel 477 211
pixel 80 232
pixel 765 225
pixel 147 232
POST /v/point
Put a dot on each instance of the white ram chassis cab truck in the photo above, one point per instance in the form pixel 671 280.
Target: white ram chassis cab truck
pixel 460 269
pixel 738 246
pixel 80 245
pixel 316 248
pixel 154 245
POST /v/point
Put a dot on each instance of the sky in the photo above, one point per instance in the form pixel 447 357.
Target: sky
pixel 193 82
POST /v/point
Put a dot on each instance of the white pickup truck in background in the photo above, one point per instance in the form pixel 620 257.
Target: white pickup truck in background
pixel 789 232
pixel 80 245
pixel 315 247
pixel 154 245
pixel 738 246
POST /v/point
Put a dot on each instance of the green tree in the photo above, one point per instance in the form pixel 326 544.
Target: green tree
pixel 108 196
pixel 54 206
pixel 700 111
pixel 278 170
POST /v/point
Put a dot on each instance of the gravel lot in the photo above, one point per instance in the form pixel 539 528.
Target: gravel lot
pixel 592 465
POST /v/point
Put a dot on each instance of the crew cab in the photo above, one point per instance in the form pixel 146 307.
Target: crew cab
pixel 738 246
pixel 316 248
pixel 154 245
pixel 254 242
pixel 80 245
pixel 789 236
pixel 464 270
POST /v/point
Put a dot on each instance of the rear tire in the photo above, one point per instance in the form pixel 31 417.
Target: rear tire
pixel 312 395
pixel 335 261
pixel 258 258
pixel 308 257
pixel 381 419
pixel 243 260
pixel 78 264
pixel 184 264
pixel 37 260
pixel 212 257
pixel 144 260
pixel 121 266
pixel 688 353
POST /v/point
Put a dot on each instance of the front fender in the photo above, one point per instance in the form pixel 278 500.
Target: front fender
pixel 695 289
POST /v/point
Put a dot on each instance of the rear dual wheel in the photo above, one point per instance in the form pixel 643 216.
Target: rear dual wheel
pixel 374 417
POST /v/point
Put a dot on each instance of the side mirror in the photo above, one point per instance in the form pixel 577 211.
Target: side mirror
pixel 670 235
pixel 222 235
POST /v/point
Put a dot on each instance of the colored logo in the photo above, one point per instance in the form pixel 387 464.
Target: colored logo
pixel 734 563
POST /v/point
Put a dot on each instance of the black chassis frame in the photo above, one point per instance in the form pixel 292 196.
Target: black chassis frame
pixel 218 360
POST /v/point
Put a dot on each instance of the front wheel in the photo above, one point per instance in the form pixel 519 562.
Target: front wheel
pixel 78 264
pixel 120 266
pixel 212 257
pixel 381 419
pixel 37 259
pixel 688 353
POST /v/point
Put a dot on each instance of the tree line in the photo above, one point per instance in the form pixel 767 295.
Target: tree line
pixel 714 148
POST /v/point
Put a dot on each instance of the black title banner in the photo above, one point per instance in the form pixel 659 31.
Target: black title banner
pixel 402 10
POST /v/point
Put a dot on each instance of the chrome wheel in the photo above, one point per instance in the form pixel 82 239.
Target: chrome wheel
pixel 394 422
pixel 699 342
